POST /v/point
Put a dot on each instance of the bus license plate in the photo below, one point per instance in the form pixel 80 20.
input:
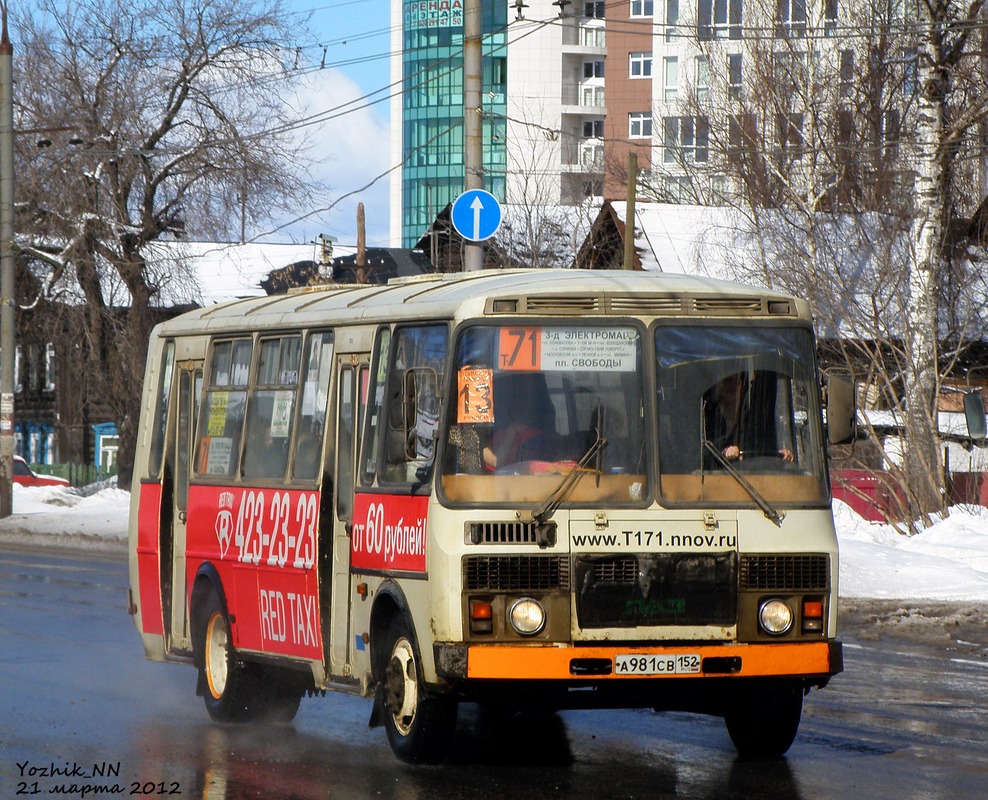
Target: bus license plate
pixel 679 664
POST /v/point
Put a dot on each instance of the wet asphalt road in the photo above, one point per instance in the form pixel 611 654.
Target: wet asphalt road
pixel 906 720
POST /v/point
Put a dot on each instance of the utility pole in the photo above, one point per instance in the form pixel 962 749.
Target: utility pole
pixel 7 296
pixel 361 260
pixel 473 155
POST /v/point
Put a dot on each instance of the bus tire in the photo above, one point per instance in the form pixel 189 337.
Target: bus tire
pixel 420 726
pixel 763 720
pixel 227 687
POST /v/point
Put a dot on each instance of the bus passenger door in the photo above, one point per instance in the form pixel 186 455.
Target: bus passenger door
pixel 352 381
pixel 189 390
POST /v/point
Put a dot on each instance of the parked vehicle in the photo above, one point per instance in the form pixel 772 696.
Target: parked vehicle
pixel 25 476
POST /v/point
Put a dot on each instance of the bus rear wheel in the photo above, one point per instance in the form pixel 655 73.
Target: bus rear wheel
pixel 763 720
pixel 226 686
pixel 420 726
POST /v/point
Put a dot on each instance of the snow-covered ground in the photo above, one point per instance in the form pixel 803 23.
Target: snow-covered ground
pixel 947 562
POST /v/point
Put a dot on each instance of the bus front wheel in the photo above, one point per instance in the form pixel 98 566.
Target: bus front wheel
pixel 225 685
pixel 420 726
pixel 763 720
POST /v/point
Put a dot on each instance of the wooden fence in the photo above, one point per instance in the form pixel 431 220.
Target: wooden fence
pixel 76 474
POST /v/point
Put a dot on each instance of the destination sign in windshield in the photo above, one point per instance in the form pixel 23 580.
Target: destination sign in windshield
pixel 568 349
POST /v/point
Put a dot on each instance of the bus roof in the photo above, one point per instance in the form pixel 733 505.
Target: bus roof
pixel 541 292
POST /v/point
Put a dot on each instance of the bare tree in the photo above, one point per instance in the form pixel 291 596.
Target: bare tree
pixel 162 119
pixel 849 162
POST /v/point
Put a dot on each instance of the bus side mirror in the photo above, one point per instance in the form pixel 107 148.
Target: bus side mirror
pixel 841 410
pixel 974 415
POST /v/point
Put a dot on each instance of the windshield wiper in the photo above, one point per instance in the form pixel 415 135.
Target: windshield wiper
pixel 545 510
pixel 767 508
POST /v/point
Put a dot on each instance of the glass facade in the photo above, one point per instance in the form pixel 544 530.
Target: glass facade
pixel 432 108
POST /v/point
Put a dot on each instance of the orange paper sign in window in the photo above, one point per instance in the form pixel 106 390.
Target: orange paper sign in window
pixel 519 349
pixel 475 395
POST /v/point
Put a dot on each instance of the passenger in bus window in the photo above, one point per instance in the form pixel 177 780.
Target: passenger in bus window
pixel 725 407
pixel 524 422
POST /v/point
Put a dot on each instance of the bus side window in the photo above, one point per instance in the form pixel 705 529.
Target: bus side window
pixel 223 406
pixel 318 364
pixel 371 442
pixel 161 412
pixel 407 401
pixel 271 407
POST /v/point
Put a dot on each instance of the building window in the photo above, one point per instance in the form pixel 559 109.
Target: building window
pixel 593 37
pixel 593 129
pixel 910 72
pixel 594 9
pixel 592 155
pixel 829 17
pixel 734 76
pixel 672 19
pixel 640 125
pixel 641 8
pixel 742 135
pixel 592 96
pixel 670 78
pixel 593 69
pixel 789 128
pixel 49 367
pixel 791 18
pixel 678 189
pixel 685 139
pixel 846 72
pixel 718 19
pixel 791 70
pixel 891 131
pixel 702 78
pixel 641 65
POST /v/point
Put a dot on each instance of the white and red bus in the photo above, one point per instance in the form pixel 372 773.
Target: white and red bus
pixel 523 489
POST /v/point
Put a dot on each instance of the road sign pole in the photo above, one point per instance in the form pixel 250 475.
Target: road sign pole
pixel 473 155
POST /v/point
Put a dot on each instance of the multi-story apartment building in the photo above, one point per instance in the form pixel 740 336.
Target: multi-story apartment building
pixel 572 86
pixel 543 105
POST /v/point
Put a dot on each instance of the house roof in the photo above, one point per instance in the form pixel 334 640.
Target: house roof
pixel 683 239
pixel 206 273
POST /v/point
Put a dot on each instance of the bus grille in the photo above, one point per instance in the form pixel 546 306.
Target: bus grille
pixel 785 573
pixel 623 569
pixel 515 573
pixel 503 532
pixel 656 589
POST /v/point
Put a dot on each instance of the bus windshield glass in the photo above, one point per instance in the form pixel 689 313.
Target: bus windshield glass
pixel 532 401
pixel 738 416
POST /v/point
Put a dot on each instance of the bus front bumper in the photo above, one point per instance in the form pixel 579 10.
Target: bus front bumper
pixel 818 660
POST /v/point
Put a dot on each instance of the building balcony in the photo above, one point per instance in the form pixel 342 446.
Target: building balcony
pixel 583 99
pixel 583 36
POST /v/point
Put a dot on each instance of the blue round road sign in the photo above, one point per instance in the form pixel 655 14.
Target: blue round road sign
pixel 476 215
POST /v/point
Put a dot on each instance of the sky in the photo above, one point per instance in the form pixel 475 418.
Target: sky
pixel 947 562
pixel 347 88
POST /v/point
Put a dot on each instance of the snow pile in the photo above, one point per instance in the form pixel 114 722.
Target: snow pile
pixel 92 517
pixel 947 562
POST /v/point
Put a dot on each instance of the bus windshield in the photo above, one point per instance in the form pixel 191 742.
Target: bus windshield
pixel 532 401
pixel 738 415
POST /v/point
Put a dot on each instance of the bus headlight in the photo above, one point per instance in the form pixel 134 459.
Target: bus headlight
pixel 775 617
pixel 527 616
